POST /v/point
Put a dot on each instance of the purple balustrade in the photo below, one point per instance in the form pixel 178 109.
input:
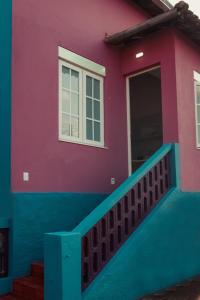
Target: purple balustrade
pixel 103 240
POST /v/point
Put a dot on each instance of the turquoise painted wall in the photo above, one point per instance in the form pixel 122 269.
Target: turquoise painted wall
pixel 36 214
pixel 5 105
pixel 5 120
pixel 163 250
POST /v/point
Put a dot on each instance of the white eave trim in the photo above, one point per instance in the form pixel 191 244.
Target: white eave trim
pixel 167 4
pixel 81 61
pixel 196 76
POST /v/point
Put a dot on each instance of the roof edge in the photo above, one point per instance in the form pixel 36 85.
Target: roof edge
pixel 123 36
pixel 180 17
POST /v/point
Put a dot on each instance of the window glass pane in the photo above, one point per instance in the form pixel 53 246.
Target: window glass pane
pixel 198 113
pixel 75 80
pixel 88 86
pixel 96 110
pixel 96 89
pixel 65 101
pixel 89 108
pixel 75 127
pixel 97 137
pixel 65 125
pixel 198 93
pixel 65 77
pixel 89 130
pixel 198 134
pixel 75 104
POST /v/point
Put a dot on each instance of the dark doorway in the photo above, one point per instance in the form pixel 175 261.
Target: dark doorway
pixel 145 116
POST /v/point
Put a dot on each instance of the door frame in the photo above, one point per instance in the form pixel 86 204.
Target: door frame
pixel 128 104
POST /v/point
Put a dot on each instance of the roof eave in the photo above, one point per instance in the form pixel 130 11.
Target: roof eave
pixel 125 36
pixel 180 17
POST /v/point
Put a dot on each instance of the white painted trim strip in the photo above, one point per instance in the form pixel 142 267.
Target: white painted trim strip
pixel 196 83
pixel 128 125
pixel 196 76
pixel 144 71
pixel 81 61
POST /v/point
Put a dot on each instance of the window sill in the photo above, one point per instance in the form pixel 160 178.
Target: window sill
pixel 83 144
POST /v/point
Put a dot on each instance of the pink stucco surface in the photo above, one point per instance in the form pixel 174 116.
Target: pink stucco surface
pixel 159 49
pixel 178 58
pixel 187 61
pixel 39 27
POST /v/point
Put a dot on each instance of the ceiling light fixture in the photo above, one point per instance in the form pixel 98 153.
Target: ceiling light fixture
pixel 139 54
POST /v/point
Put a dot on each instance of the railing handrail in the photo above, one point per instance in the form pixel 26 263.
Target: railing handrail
pixel 101 210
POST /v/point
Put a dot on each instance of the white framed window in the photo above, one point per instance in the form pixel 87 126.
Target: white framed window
pixel 81 114
pixel 197 106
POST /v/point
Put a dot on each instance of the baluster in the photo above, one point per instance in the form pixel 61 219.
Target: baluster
pixel 104 239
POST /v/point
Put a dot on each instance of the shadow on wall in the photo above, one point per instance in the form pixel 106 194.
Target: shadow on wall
pixel 36 214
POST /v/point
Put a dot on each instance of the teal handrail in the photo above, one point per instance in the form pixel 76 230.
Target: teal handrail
pixel 97 214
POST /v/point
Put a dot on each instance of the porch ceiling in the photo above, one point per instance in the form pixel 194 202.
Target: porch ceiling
pixel 179 17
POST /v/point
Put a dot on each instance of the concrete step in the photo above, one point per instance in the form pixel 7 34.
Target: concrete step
pixel 37 270
pixel 29 287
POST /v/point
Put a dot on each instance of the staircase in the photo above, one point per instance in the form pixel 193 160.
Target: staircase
pixel 81 258
pixel 30 287
pixel 99 251
pixel 123 211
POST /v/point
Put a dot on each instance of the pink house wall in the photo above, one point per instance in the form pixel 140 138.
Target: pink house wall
pixel 39 27
pixel 178 58
pixel 159 49
pixel 187 61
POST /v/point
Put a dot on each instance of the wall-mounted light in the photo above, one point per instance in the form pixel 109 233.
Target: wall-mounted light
pixel 139 54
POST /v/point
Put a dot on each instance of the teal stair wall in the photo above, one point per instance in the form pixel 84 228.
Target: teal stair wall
pixel 165 249
pixel 74 259
pixel 37 213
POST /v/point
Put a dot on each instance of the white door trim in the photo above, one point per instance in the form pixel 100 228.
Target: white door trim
pixel 128 125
